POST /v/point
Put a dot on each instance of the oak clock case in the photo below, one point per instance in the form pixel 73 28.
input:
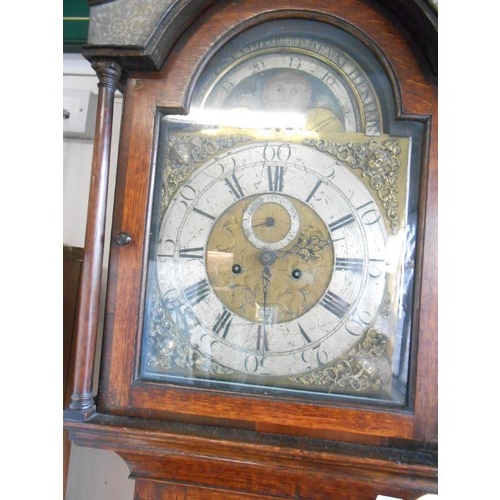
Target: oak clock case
pixel 270 320
pixel 282 225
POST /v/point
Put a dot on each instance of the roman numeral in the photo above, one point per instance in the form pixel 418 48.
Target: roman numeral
pixel 304 334
pixel 234 186
pixel 313 192
pixel 197 292
pixel 368 217
pixel 262 344
pixel 275 178
pixel 223 323
pixel 349 264
pixel 191 253
pixel 335 304
pixel 201 212
pixel 343 221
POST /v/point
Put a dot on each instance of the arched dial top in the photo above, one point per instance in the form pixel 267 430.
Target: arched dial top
pixel 293 72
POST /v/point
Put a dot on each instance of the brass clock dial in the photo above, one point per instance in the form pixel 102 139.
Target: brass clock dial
pixel 271 259
pixel 272 281
pixel 277 260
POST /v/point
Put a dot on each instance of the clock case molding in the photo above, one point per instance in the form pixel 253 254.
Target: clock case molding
pixel 312 450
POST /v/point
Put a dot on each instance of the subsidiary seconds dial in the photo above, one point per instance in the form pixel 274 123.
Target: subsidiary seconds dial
pixel 274 252
pixel 271 222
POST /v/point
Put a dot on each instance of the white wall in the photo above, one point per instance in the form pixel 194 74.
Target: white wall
pixel 93 474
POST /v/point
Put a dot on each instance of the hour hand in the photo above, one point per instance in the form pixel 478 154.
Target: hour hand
pixel 307 247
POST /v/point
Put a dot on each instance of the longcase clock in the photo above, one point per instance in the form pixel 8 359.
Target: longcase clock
pixel 270 325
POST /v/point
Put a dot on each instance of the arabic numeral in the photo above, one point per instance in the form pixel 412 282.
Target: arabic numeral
pixel 251 363
pixel 356 326
pixel 369 216
pixel 321 355
pixel 234 186
pixel 283 152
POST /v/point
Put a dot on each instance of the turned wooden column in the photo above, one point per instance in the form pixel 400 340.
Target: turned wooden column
pixel 82 403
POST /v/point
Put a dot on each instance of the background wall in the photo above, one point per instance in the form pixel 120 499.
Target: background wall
pixel 93 474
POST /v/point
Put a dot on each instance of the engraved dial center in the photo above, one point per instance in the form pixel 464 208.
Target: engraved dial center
pixel 269 258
